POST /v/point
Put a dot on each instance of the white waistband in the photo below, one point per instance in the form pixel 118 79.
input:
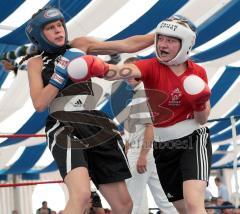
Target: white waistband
pixel 175 131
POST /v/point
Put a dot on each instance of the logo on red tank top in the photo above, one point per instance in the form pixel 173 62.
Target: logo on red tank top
pixel 175 97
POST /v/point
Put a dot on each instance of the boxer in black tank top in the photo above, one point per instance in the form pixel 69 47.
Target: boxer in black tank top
pixel 105 164
pixel 80 157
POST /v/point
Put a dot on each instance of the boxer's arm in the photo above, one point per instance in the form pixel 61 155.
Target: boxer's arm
pixel 41 96
pixel 202 116
pixel 124 71
pixel 91 66
pixel 129 45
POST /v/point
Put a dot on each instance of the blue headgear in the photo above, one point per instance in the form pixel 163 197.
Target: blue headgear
pixel 35 25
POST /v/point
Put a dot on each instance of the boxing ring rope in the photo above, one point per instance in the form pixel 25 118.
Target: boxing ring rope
pixel 21 135
pixel 235 161
pixel 30 183
pixel 235 153
pixel 224 118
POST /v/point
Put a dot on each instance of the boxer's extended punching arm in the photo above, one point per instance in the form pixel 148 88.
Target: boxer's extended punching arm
pixel 91 66
pixel 129 45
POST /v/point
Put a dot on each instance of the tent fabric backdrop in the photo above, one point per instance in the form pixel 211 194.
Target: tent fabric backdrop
pixel 82 18
pixel 217 23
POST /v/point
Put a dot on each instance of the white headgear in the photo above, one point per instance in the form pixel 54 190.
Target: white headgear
pixel 179 27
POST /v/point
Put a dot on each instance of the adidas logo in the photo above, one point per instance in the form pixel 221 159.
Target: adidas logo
pixel 169 195
pixel 78 103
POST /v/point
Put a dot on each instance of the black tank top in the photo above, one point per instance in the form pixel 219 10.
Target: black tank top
pixel 49 61
pixel 85 123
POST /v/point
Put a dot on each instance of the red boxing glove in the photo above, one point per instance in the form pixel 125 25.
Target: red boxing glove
pixel 196 91
pixel 85 67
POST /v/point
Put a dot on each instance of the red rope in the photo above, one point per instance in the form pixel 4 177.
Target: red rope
pixel 30 183
pixel 21 135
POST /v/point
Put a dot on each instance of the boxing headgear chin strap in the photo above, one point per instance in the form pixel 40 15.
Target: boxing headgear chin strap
pixel 35 25
pixel 174 29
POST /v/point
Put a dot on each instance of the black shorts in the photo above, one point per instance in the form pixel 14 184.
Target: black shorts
pixel 188 158
pixel 106 163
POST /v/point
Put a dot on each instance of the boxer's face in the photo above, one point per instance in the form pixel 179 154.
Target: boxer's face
pixel 168 47
pixel 55 33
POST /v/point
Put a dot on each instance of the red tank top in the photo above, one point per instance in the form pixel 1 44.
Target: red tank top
pixel 168 105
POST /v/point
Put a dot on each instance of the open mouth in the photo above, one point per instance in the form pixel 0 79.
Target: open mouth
pixel 162 53
pixel 59 39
